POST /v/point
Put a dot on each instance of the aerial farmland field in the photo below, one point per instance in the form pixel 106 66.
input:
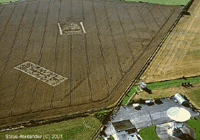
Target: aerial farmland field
pixel 46 73
pixel 180 54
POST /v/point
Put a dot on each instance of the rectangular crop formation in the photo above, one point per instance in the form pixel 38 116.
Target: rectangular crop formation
pixel 41 73
pixel 71 28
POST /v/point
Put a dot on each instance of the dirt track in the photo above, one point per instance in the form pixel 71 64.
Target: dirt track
pixel 99 65
pixel 180 54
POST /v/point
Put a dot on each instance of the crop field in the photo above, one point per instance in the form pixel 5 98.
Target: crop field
pixel 63 57
pixel 180 54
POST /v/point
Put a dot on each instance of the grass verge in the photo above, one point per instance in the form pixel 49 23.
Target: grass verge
pixel 165 2
pixel 130 93
pixel 7 1
pixel 195 124
pixel 149 133
pixel 80 128
pixel 173 83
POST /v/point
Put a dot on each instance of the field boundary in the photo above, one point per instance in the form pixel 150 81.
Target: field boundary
pixel 173 79
pixel 34 123
pixel 18 1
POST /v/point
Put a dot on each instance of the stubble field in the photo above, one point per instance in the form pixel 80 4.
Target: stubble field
pixel 180 54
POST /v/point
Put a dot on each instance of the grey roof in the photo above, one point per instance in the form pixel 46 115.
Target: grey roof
pixel 123 125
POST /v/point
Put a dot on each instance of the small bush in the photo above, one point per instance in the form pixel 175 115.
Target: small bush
pixel 101 115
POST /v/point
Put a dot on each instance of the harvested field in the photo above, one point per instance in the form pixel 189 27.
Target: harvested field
pixel 99 65
pixel 180 54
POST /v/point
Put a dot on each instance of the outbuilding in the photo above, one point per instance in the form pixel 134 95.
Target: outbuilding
pixel 181 100
pixel 143 85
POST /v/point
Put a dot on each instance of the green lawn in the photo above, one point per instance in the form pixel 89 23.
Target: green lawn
pixel 80 128
pixel 173 83
pixel 195 124
pixel 128 96
pixel 149 133
pixel 165 2
pixel 194 94
pixel 6 1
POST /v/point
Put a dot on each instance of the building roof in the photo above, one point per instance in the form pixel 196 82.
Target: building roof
pixel 123 125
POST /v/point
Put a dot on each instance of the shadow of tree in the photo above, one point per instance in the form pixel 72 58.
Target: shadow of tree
pixel 186 137
pixel 147 90
pixel 158 101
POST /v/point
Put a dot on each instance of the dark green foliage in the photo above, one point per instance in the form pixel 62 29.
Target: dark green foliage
pixel 101 115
